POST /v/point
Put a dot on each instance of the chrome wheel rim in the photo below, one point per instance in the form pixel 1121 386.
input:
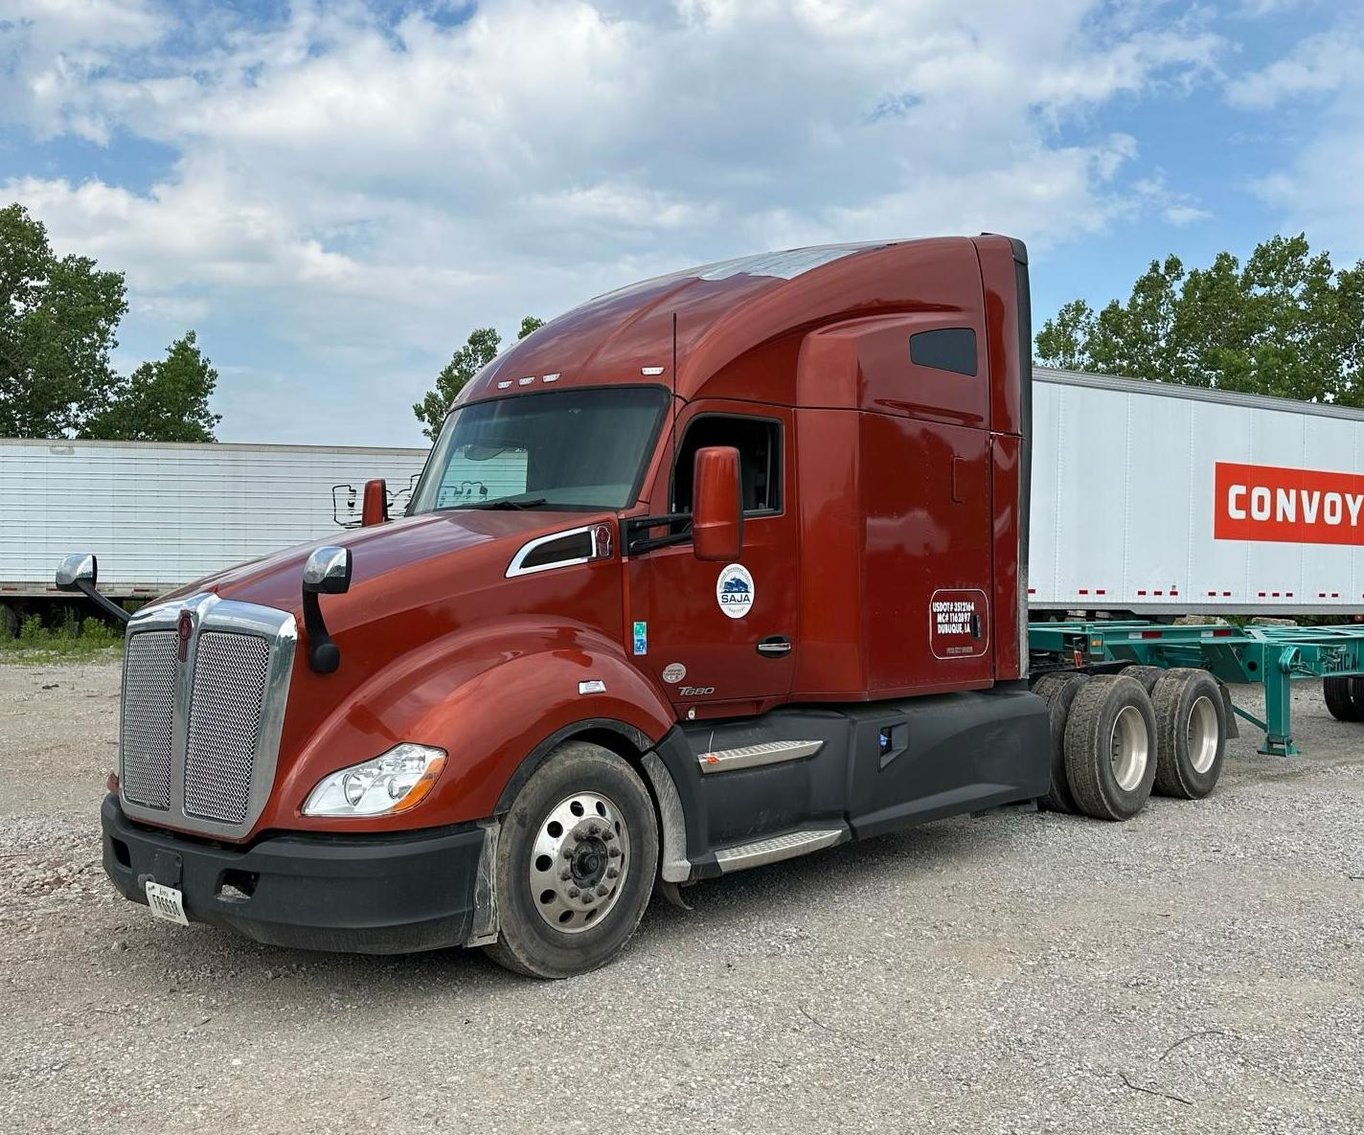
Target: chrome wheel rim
pixel 1129 747
pixel 1203 734
pixel 579 862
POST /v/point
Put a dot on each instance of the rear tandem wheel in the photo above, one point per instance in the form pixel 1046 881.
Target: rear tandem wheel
pixel 1110 747
pixel 1191 733
pixel 1058 691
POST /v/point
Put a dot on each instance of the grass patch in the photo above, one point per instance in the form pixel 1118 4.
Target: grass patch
pixel 75 640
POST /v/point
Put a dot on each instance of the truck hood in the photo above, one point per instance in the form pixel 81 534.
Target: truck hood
pixel 396 562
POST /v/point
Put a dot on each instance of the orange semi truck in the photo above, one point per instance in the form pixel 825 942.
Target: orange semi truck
pixel 745 579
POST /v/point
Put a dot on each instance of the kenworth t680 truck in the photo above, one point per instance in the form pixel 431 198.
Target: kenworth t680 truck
pixel 747 581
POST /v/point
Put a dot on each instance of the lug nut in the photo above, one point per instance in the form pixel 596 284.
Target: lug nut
pixel 601 892
pixel 614 853
pixel 612 873
pixel 565 874
pixel 608 835
pixel 573 892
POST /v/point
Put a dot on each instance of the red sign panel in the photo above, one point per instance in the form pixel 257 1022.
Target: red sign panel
pixel 1288 506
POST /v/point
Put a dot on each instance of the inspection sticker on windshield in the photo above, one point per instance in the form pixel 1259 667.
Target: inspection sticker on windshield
pixel 167 903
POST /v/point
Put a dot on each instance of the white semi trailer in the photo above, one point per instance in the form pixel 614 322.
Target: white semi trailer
pixel 1160 499
pixel 162 514
pixel 1148 498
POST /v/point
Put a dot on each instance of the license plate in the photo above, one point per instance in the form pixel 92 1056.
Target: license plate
pixel 167 903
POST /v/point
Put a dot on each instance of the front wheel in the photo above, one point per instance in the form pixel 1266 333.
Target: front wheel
pixel 576 859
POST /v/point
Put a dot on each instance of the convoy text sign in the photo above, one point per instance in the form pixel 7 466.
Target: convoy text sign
pixel 1297 506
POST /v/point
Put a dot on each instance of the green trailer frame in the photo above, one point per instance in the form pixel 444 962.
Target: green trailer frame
pixel 1273 656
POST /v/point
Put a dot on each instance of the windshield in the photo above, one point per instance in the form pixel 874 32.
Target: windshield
pixel 566 449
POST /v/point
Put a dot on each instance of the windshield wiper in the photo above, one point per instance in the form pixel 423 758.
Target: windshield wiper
pixel 506 503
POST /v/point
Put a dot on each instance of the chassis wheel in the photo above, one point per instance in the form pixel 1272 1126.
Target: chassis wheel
pixel 576 860
pixel 1191 733
pixel 1111 747
pixel 1058 691
pixel 1344 697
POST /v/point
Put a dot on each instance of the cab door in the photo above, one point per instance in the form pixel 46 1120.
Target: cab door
pixel 722 637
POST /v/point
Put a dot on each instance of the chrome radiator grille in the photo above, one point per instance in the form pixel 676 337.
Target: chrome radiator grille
pixel 148 710
pixel 224 724
pixel 204 687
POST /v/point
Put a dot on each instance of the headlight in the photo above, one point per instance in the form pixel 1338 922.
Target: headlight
pixel 394 782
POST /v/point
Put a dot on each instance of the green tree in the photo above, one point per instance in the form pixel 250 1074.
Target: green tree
pixel 58 316
pixel 162 401
pixel 57 321
pixel 478 351
pixel 1286 324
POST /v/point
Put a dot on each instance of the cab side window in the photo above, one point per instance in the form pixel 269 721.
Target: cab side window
pixel 758 441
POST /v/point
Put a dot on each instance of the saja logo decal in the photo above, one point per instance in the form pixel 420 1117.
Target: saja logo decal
pixel 734 591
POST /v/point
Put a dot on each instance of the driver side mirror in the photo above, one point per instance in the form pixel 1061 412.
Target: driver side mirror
pixel 374 510
pixel 717 509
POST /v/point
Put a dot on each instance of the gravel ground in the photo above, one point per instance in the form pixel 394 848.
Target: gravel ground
pixel 1200 968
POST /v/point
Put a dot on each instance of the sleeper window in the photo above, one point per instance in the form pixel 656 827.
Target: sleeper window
pixel 948 348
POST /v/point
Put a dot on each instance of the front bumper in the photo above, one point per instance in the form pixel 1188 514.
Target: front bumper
pixel 374 894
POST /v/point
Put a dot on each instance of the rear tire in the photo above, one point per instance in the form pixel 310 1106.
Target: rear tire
pixel 1111 747
pixel 1148 676
pixel 1344 697
pixel 1058 691
pixel 1191 733
pixel 586 814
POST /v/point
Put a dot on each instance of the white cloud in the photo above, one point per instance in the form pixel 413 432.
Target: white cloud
pixel 1319 66
pixel 366 191
pixel 1319 87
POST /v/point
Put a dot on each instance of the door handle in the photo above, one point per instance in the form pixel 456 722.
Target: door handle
pixel 774 646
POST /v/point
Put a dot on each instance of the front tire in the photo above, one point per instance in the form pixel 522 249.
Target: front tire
pixel 576 860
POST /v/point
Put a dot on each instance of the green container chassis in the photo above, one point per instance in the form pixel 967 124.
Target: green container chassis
pixel 1273 656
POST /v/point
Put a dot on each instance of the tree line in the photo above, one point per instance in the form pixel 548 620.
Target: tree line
pixel 1286 323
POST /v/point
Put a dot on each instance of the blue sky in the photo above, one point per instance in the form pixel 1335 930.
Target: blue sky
pixel 334 194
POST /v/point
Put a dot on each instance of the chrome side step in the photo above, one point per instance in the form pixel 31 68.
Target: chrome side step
pixel 776 848
pixel 751 756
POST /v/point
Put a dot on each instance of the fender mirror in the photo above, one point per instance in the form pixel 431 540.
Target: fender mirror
pixel 76 569
pixel 375 507
pixel 717 510
pixel 80 572
pixel 327 572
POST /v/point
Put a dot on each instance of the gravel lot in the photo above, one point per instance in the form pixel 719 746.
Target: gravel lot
pixel 1200 968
